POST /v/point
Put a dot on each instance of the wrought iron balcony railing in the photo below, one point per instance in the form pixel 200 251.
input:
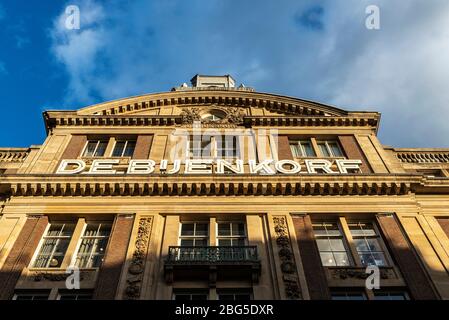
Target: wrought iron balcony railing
pixel 212 255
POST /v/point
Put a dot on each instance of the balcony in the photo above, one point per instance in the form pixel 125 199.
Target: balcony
pixel 212 263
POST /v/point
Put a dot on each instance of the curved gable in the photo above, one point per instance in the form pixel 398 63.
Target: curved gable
pixel 156 103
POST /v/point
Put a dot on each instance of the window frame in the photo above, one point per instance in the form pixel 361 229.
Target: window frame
pixel 44 237
pixel 194 237
pixel 82 237
pixel 378 236
pixel 329 149
pixel 231 236
pixel 342 236
pixel 191 292
pixel 98 141
pixel 33 293
pixel 127 141
pixel 299 144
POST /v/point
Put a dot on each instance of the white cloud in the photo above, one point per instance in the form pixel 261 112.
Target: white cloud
pixel 128 48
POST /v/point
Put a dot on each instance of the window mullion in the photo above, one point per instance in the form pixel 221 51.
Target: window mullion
pixel 350 241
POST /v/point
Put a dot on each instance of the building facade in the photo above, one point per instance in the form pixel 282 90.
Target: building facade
pixel 213 191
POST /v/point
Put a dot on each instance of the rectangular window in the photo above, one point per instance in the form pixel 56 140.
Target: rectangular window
pixel 368 243
pixel 28 295
pixel 331 246
pixel 231 234
pixel 302 149
pixel 390 295
pixel 124 148
pixel 190 294
pixel 95 148
pixel 54 245
pixel 75 295
pixel 194 234
pixel 228 147
pixel 200 147
pixel 234 294
pixel 348 295
pixel 330 149
pixel 93 245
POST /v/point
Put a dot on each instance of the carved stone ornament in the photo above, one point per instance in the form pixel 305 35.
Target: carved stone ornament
pixel 137 266
pixel 288 265
pixel 359 273
pixel 192 115
pixel 54 276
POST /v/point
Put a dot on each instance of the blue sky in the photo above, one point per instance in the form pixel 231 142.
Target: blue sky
pixel 312 49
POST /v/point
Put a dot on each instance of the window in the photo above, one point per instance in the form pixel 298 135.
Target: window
pixel 231 234
pixel 194 234
pixel 190 294
pixel 95 148
pixel 31 295
pixel 234 294
pixel 214 115
pixel 331 245
pixel 54 245
pixel 75 295
pixel 368 244
pixel 302 148
pixel 390 295
pixel 330 149
pixel 349 295
pixel 124 148
pixel 93 245
pixel 214 146
pixel 200 146
pixel 228 147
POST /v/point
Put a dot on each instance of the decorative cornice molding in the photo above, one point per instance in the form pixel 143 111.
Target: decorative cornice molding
pixel 161 185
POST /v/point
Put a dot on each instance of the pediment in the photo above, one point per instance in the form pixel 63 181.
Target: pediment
pixel 250 103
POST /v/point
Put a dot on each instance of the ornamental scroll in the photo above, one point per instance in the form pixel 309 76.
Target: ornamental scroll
pixel 137 266
pixel 288 265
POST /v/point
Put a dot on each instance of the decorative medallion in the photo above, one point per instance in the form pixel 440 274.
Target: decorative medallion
pixel 233 117
pixel 137 266
pixel 288 265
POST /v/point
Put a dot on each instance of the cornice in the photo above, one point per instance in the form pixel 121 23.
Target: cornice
pixel 198 185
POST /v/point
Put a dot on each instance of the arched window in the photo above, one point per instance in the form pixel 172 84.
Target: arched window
pixel 214 115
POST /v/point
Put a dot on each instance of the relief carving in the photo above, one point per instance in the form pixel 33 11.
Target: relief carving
pixel 233 117
pixel 359 273
pixel 137 266
pixel 288 265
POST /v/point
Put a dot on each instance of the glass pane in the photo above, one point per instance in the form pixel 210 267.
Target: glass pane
pixel 200 242
pixel 91 145
pixel 323 244
pixel 373 244
pixel 129 149
pixel 337 245
pixel 186 243
pixel 118 149
pixel 224 242
pixel 182 297
pixel 327 259
pixel 238 229
pixel 379 259
pixel 239 242
pixel 101 149
pixel 324 150
pixel 201 229
pixel 61 246
pixel 336 152
pixel 389 296
pixel 67 230
pixel 319 230
pixel 295 150
pixel 361 245
pixel 308 149
pixel 224 229
pixel 332 229
pixel 341 259
pixel 55 230
pixel 362 229
pixel 226 297
pixel 187 229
